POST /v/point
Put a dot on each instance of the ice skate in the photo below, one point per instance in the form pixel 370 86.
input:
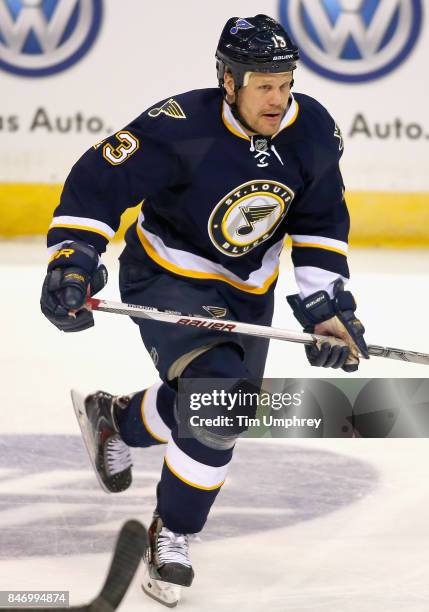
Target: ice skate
pixel 167 564
pixel 109 455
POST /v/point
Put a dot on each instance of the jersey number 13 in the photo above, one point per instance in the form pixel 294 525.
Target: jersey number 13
pixel 127 147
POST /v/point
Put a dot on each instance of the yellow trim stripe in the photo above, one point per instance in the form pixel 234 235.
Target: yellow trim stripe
pixel 202 275
pixel 81 227
pixel 291 121
pixel 389 219
pixel 318 246
pixel 188 482
pixel 152 433
pixel 231 128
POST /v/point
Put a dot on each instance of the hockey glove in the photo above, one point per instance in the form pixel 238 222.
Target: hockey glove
pixel 73 273
pixel 319 314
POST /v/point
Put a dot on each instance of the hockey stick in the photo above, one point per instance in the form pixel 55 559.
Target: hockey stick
pixel 262 331
pixel 129 550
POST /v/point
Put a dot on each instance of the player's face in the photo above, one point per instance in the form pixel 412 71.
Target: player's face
pixel 264 100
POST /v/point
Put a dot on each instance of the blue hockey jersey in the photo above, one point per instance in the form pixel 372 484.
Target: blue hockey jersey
pixel 216 203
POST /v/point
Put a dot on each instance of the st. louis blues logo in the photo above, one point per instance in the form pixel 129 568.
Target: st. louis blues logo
pixel 253 214
pixel 248 216
pixel 241 24
pixel 171 108
pixel 42 37
pixel 353 40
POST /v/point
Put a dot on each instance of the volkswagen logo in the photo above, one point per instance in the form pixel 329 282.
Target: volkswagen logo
pixel 43 37
pixel 353 40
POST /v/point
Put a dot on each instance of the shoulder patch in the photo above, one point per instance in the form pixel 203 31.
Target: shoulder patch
pixel 337 134
pixel 171 108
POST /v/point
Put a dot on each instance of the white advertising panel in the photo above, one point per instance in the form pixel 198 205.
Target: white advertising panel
pixel 72 71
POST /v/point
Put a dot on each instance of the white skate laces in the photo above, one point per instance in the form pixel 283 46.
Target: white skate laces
pixel 173 547
pixel 117 456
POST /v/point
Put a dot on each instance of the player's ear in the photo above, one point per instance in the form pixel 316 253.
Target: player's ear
pixel 229 83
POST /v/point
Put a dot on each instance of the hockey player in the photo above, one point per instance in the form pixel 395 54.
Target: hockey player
pixel 223 175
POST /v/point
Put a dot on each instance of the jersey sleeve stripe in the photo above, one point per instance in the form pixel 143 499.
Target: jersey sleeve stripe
pixel 191 472
pixel 311 279
pixel 320 242
pixel 326 259
pixel 57 235
pixel 81 227
pixel 317 246
pixel 83 223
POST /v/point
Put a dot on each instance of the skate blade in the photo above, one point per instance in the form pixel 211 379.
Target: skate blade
pixel 163 592
pixel 79 408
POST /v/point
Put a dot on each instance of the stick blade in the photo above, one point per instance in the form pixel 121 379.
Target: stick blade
pixel 129 550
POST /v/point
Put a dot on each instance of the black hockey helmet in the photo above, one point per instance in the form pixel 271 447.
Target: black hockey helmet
pixel 254 44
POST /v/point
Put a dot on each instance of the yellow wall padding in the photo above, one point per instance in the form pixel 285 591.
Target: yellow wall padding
pixel 378 218
pixel 389 219
pixel 26 209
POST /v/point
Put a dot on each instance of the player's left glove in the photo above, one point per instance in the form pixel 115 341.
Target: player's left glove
pixel 319 314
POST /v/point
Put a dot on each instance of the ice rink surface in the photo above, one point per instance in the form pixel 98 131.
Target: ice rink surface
pixel 321 525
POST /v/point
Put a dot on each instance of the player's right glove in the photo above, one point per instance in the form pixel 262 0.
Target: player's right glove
pixel 73 274
pixel 320 314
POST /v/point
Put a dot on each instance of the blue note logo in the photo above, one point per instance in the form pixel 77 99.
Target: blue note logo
pixel 43 37
pixel 353 40
pixel 241 24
